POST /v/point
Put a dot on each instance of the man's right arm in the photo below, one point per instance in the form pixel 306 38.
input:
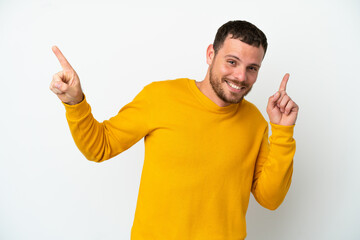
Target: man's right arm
pixel 101 141
pixel 98 141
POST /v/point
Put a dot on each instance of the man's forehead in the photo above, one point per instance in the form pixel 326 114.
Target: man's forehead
pixel 236 46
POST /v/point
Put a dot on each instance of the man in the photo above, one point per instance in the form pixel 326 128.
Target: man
pixel 206 147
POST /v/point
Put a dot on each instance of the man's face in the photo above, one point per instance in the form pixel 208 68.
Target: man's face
pixel 234 69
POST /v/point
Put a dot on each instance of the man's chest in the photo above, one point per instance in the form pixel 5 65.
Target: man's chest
pixel 188 142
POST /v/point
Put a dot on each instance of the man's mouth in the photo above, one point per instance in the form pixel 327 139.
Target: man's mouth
pixel 235 86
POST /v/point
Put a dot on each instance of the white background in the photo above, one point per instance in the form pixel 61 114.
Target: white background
pixel 48 190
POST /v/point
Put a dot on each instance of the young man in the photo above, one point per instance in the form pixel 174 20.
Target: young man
pixel 206 147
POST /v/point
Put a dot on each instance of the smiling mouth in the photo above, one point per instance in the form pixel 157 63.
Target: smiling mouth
pixel 234 86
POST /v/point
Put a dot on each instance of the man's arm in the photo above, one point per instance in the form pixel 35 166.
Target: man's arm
pixel 274 165
pixel 98 141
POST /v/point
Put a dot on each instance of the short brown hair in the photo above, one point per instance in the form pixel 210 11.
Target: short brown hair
pixel 242 30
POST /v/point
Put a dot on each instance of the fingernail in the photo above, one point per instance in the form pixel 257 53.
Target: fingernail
pixel 276 94
pixel 57 85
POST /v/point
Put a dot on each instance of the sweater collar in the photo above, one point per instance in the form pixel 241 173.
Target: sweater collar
pixel 207 102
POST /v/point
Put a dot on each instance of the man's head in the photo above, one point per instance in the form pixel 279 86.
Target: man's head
pixel 234 60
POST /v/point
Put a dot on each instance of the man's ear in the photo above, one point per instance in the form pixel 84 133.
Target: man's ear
pixel 210 54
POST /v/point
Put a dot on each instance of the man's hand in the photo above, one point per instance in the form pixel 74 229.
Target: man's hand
pixel 281 109
pixel 66 83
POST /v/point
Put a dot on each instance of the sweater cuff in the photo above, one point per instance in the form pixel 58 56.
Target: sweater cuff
pixel 77 111
pixel 282 133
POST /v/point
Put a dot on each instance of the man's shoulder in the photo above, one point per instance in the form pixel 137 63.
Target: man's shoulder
pixel 250 105
pixel 251 109
pixel 165 84
pixel 167 88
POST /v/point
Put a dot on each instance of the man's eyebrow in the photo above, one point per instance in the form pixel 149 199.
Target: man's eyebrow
pixel 229 55
pixel 233 56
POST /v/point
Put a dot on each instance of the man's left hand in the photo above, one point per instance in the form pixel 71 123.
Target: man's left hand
pixel 282 110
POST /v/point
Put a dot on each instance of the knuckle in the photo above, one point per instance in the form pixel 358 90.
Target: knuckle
pixel 52 85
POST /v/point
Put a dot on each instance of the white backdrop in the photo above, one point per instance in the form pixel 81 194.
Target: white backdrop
pixel 50 191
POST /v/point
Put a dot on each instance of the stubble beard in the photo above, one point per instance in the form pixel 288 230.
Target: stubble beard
pixel 216 84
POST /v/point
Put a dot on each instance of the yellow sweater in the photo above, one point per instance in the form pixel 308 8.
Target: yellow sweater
pixel 201 160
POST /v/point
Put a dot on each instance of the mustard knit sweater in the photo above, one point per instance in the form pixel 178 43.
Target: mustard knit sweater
pixel 201 160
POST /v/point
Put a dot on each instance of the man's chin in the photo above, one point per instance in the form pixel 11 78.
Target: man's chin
pixel 235 101
pixel 232 99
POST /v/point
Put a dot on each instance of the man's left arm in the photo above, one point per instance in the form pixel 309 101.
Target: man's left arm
pixel 274 166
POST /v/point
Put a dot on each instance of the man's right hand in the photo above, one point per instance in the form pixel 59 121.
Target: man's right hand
pixel 66 83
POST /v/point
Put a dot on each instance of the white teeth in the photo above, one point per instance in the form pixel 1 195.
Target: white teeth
pixel 234 86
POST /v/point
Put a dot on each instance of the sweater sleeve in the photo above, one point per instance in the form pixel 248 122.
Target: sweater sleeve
pixel 101 141
pixel 274 167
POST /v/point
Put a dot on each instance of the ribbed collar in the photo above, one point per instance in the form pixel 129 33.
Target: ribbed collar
pixel 207 102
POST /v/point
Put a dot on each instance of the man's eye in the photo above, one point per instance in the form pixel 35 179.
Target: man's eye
pixel 231 62
pixel 253 69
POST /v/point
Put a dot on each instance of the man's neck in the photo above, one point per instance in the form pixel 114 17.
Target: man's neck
pixel 206 88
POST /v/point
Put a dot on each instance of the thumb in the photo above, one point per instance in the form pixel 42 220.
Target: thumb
pixel 273 99
pixel 63 87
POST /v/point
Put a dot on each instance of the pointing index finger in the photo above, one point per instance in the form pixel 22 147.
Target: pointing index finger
pixel 63 62
pixel 284 82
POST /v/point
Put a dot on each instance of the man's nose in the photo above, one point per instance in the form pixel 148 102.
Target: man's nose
pixel 240 74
